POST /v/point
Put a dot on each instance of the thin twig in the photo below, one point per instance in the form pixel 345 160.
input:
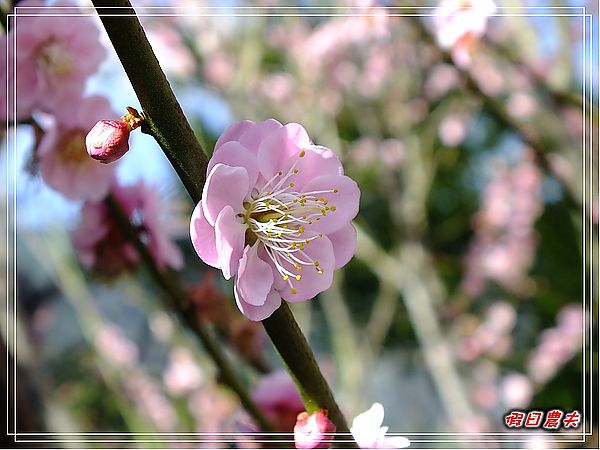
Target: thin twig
pixel 177 298
pixel 538 146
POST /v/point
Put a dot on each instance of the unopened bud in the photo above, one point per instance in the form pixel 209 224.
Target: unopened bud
pixel 108 140
pixel 313 431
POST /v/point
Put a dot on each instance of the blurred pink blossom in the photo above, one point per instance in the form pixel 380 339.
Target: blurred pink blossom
pixel 517 390
pixel 115 346
pixel 442 78
pixel 270 192
pixel 504 245
pixel 173 55
pixel 453 129
pixel 557 345
pixel 521 105
pixel 219 69
pixel 369 434
pixel 54 57
pixel 100 243
pixel 459 24
pixel 150 400
pixel 182 375
pixel 492 336
pixel 64 162
pixel 279 399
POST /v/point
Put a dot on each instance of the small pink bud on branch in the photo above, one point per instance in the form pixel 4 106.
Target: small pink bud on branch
pixel 314 430
pixel 108 140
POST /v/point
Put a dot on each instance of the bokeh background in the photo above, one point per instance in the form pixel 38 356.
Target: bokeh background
pixel 465 297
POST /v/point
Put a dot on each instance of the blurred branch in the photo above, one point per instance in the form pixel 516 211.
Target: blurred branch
pixel 167 123
pixel 539 146
pixel 350 368
pixel 381 319
pixel 404 272
pixel 559 97
pixel 71 283
pixel 185 311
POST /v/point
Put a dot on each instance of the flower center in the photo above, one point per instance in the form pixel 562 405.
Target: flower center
pixel 277 216
pixel 54 59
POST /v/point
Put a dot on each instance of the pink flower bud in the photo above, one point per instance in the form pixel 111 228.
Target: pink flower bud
pixel 311 430
pixel 108 140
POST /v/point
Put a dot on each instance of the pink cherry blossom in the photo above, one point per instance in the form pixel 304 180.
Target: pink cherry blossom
pixel 313 431
pixel 277 396
pixel 64 162
pixel 100 243
pixel 459 24
pixel 369 434
pixel 275 214
pixel 54 57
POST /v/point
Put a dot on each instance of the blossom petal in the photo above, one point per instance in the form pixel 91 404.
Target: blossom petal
pixel 203 237
pixel 224 186
pixel 365 427
pixel 345 201
pixel 233 132
pixel 256 134
pixel 255 277
pixel 317 161
pixel 229 237
pixel 344 245
pixel 234 154
pixel 396 442
pixel 298 134
pixel 312 282
pixel 276 153
pixel 257 313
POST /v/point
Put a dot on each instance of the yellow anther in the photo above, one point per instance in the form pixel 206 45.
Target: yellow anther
pixel 335 191
pixel 296 266
pixel 301 229
pixel 302 154
pixel 298 277
pixel 326 202
pixel 280 235
pixel 320 234
pixel 307 241
pixel 285 277
pixel 316 263
pixel 332 208
pixel 292 184
pixel 318 218
pixel 280 173
pixel 310 222
pixel 295 170
pixel 301 245
pixel 293 291
pixel 294 245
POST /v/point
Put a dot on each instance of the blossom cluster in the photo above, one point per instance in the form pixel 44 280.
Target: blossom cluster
pixel 54 58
